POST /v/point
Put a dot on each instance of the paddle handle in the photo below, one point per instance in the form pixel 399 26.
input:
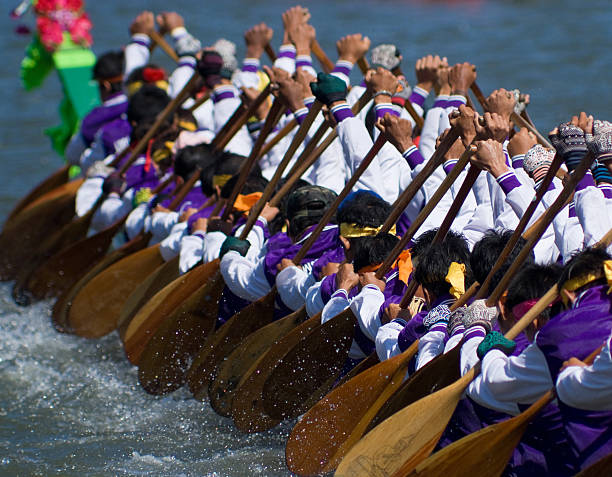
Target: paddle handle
pixel 161 118
pixel 547 218
pixel 417 182
pixel 287 128
pixel 297 140
pixel 270 52
pixel 326 63
pixel 429 207
pixel 367 160
pixel 363 65
pixel 520 228
pixel 521 122
pixel 163 44
pixel 414 115
pixel 184 190
pixel 469 293
pixel 247 166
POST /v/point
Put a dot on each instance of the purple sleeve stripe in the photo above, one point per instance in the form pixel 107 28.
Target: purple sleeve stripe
pixel 455 101
pixel 140 42
pixel 441 326
pixel 448 165
pixel 341 293
pixel 341 112
pixel 250 66
pixel 190 64
pixel 261 223
pixel 302 61
pixel 383 108
pixel 606 189
pixel 572 210
pixel 309 101
pixel 300 115
pixel 287 51
pixel 199 233
pixel 420 91
pixel 459 330
pixel 508 182
pixel 372 287
pixel 517 161
pixel 343 67
pixel 475 332
pixel 416 98
pixel 586 181
pixel 413 156
pixel 441 102
pixel 399 321
pixel 363 84
pixel 223 95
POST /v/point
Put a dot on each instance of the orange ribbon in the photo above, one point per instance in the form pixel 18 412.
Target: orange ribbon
pixel 403 264
pixel 245 202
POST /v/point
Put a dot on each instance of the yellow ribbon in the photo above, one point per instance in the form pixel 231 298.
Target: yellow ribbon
pixel 221 179
pixel 188 125
pixel 456 278
pixel 354 231
pixel 163 152
pixel 245 202
pixel 575 283
pixel 134 86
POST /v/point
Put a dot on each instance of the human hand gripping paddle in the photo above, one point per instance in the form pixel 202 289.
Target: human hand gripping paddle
pixel 407 437
pixel 161 369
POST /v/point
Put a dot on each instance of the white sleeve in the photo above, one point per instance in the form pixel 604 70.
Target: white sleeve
pixel 162 223
pixel 314 302
pixel 191 251
pixel 170 247
pixel 136 221
pixel 386 340
pixel 243 277
pixel 223 109
pixel 507 381
pixel 429 133
pixel 181 76
pixel 293 283
pixel 111 210
pixel 588 387
pixel 431 344
pixel 88 194
pixel 329 170
pixel 286 58
pixel 136 53
pixel 337 304
pixel 356 143
pixel 366 306
pixel 590 205
pixel 211 247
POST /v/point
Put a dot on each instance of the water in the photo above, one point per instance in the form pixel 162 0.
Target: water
pixel 73 407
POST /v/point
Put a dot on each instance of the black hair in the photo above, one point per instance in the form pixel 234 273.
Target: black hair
pixel 532 282
pixel 486 252
pixel 146 104
pixel 191 157
pixel 363 208
pixel 434 261
pixel 254 183
pixel 590 260
pixel 226 163
pixel 108 66
pixel 373 250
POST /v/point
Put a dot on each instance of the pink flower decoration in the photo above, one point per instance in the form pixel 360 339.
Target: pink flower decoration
pixel 50 33
pixel 79 31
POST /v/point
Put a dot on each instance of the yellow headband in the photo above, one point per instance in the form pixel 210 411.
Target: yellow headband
pixel 456 278
pixel 188 125
pixel 134 86
pixel 163 152
pixel 575 283
pixel 354 231
pixel 221 179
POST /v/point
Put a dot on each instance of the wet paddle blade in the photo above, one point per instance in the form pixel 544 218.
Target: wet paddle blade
pixel 153 313
pixel 95 309
pixel 313 445
pixel 166 358
pixel 247 406
pixel 157 280
pixel 230 372
pixel 407 437
pixel 226 339
pixel 308 365
pixel 598 469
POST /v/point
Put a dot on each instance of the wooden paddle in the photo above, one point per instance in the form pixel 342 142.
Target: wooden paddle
pixel 418 438
pixel 292 382
pixel 326 63
pixel 222 388
pixel 162 368
pixel 96 308
pixel 487 451
pixel 328 430
pixel 599 468
pixel 163 44
pixel 253 317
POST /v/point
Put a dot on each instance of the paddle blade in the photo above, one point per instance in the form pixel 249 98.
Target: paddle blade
pixel 440 372
pixel 226 339
pixel 168 355
pixel 153 313
pixel 247 406
pixel 55 180
pixel 313 361
pixel 59 315
pixel 95 309
pixel 230 372
pixel 157 280
pixel 327 426
pixel 599 468
pixel 407 437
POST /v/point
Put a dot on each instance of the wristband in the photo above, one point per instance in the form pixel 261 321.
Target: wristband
pixel 383 92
